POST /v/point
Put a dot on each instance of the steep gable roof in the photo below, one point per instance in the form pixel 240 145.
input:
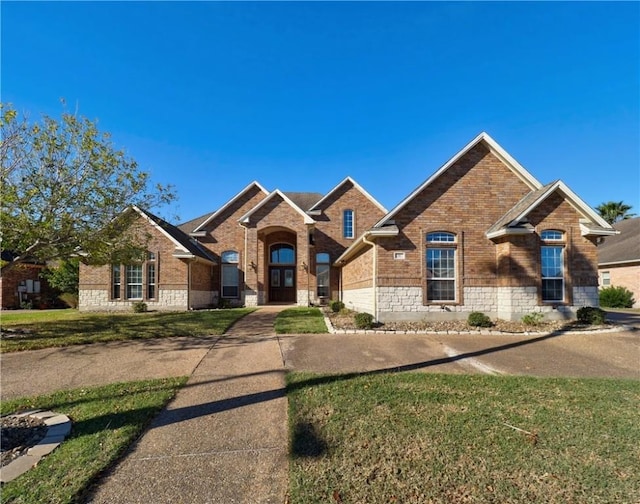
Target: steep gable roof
pixel 493 147
pixel 624 247
pixel 316 207
pixel 515 220
pixel 200 225
pixel 186 247
pixel 245 218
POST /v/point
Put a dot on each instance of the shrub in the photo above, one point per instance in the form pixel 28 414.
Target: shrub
pixel 479 319
pixel 616 297
pixel 364 320
pixel 335 306
pixel 591 315
pixel 532 319
pixel 139 306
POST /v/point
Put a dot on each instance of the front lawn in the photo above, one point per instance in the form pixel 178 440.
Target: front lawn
pixel 418 438
pixel 106 420
pixel 57 328
pixel 300 320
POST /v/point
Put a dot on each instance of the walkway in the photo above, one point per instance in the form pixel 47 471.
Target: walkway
pixel 224 436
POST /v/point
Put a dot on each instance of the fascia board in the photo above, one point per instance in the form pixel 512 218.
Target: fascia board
pixel 229 203
pixel 581 206
pixel 360 242
pixel 508 232
pixel 629 262
pixel 503 155
pixel 314 208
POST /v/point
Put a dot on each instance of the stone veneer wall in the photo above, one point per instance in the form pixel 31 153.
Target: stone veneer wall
pixel 98 300
pixel 507 303
pixel 203 299
pixel 360 300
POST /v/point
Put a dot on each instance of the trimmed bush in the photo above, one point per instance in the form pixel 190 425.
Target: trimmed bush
pixel 139 306
pixel 591 315
pixel 364 320
pixel 479 319
pixel 532 319
pixel 616 297
pixel 335 306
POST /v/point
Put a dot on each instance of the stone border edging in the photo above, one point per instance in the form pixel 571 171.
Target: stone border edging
pixel 484 332
pixel 58 428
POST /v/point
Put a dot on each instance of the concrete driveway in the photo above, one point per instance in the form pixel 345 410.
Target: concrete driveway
pixel 43 371
pixel 571 355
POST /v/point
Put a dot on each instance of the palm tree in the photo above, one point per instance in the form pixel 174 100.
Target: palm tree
pixel 613 211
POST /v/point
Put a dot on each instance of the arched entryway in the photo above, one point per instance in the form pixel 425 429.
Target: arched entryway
pixel 282 273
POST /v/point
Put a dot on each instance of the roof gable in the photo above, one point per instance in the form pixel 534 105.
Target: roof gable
pixel 493 147
pixel 185 245
pixel 318 205
pixel 277 193
pixel 303 200
pixel 202 224
pixel 515 220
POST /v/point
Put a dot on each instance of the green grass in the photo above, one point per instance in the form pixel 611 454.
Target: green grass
pixel 416 438
pixel 57 328
pixel 105 421
pixel 300 320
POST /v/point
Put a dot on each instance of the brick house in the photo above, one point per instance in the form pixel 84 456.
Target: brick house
pixel 619 258
pixel 22 285
pixel 175 275
pixel 480 234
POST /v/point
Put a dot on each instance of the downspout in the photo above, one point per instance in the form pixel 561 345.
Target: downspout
pixel 189 307
pixel 375 275
pixel 244 263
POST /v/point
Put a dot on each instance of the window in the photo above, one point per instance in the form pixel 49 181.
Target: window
pixel 151 276
pixel 115 281
pixel 323 271
pixel 347 223
pixel 139 280
pixel 282 253
pixel 606 278
pixel 230 274
pixel 552 266
pixel 441 267
pixel 133 274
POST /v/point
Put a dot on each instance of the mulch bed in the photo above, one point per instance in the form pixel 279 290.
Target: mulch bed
pixel 18 434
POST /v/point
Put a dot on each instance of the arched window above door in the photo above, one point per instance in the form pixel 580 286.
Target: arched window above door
pixel 282 253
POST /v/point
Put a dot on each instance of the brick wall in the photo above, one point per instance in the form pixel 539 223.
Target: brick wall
pixel 328 233
pixel 627 276
pixel 172 275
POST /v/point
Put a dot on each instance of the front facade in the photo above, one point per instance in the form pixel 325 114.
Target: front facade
pixel 481 234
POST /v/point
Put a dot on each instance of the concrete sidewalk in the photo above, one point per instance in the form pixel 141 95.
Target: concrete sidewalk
pixel 224 436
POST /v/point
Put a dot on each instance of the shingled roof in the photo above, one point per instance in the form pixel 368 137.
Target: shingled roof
pixel 621 248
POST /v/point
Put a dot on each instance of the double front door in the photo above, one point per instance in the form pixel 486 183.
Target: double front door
pixel 282 284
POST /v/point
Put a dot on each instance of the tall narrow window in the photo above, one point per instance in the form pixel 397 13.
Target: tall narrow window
pixel 230 276
pixel 552 267
pixel 323 268
pixel 133 274
pixel 606 278
pixel 347 223
pixel 116 280
pixel 151 276
pixel 441 267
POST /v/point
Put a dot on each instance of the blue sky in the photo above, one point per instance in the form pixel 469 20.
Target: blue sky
pixel 209 96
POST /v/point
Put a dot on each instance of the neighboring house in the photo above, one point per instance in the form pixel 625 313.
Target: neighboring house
pixel 21 286
pixel 480 234
pixel 619 258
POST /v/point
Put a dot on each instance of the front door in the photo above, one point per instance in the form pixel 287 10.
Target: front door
pixel 282 284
